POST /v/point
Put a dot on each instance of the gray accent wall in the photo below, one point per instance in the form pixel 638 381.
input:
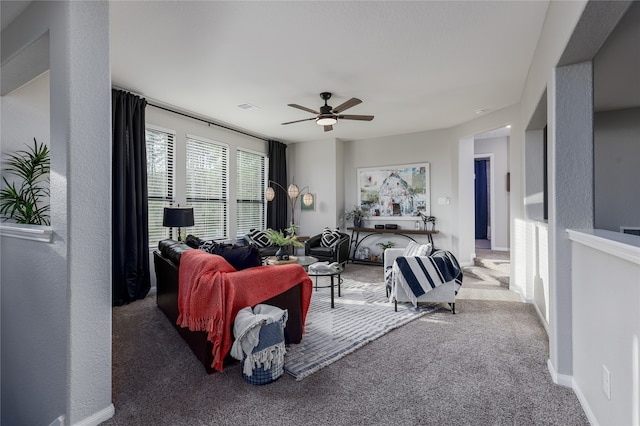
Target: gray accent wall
pixel 617 169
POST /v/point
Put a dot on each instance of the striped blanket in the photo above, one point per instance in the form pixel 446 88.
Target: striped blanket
pixel 418 275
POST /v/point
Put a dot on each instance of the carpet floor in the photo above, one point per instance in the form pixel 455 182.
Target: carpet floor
pixel 486 365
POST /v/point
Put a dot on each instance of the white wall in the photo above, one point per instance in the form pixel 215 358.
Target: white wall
pixel 573 32
pixel 562 17
pixel 500 166
pixel 462 170
pixel 56 298
pixel 25 115
pixel 315 164
pixel 617 169
pixel 435 148
pixel 28 289
pixel 606 324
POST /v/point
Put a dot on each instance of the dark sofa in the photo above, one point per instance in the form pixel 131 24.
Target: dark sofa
pixel 167 261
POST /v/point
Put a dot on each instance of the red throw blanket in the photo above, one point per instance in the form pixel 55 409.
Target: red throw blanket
pixel 212 292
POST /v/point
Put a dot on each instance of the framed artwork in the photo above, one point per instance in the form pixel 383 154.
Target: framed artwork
pixel 397 192
pixel 310 207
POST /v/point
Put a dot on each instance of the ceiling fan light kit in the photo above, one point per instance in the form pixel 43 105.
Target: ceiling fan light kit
pixel 326 121
pixel 328 116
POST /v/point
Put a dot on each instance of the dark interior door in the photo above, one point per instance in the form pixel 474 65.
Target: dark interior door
pixel 481 199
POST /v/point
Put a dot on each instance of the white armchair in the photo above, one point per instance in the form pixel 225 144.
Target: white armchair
pixel 435 278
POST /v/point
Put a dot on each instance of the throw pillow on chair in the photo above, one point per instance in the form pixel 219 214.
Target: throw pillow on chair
pixel 329 238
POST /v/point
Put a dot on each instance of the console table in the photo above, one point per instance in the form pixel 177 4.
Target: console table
pixel 368 232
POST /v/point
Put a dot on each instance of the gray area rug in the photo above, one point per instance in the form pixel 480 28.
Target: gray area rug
pixel 361 315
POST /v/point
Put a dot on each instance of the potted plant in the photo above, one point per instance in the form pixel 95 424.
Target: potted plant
pixel 278 238
pixel 22 200
pixel 384 246
pixel 358 214
pixel 388 244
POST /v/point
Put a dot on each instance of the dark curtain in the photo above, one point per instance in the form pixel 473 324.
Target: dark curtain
pixel 130 226
pixel 482 205
pixel 278 208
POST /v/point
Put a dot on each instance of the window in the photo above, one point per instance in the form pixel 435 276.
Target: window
pixel 159 181
pixel 251 174
pixel 206 187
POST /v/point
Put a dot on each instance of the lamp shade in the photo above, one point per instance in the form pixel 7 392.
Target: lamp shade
pixel 307 199
pixel 177 217
pixel 293 191
pixel 269 193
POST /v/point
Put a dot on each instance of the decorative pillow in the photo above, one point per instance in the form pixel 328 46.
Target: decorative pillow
pixel 193 241
pixel 415 249
pixel 260 238
pixel 207 246
pixel 329 238
pixel 240 257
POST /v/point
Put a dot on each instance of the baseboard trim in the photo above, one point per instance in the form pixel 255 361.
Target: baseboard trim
pixel 585 405
pixel 543 320
pixel 568 381
pixel 99 417
pixel 500 249
pixel 58 422
pixel 559 379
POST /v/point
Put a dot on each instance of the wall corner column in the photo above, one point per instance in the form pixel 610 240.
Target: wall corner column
pixel 570 196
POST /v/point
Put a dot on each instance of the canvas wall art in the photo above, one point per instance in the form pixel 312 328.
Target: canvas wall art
pixel 397 192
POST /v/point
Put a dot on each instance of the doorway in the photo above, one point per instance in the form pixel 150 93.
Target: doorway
pixel 482 201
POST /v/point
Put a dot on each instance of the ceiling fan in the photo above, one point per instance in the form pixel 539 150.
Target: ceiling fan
pixel 328 116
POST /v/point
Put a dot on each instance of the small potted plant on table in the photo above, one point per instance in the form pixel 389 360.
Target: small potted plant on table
pixel 358 215
pixel 277 238
pixel 384 246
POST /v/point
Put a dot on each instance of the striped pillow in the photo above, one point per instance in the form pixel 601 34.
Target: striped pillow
pixel 329 238
pixel 415 249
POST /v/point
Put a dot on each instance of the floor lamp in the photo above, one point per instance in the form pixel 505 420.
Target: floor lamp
pixel 293 192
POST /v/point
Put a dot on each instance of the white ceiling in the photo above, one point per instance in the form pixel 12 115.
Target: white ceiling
pixel 416 65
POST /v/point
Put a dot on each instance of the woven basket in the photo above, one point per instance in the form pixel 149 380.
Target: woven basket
pixel 271 337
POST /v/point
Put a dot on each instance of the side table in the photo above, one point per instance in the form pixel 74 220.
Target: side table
pixel 331 274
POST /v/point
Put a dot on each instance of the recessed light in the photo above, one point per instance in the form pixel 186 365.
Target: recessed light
pixel 247 106
pixel 481 110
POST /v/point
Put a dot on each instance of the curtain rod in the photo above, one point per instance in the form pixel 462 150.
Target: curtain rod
pixel 206 121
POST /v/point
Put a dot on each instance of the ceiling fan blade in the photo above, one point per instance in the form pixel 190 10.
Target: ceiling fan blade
pixel 328 128
pixel 303 108
pixel 356 117
pixel 346 105
pixel 298 121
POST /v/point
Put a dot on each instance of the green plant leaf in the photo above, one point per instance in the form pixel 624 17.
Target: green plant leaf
pixel 23 203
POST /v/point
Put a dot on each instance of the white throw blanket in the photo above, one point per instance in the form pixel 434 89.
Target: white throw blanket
pixel 246 329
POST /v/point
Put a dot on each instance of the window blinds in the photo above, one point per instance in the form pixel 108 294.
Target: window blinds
pixel 159 145
pixel 206 187
pixel 251 181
